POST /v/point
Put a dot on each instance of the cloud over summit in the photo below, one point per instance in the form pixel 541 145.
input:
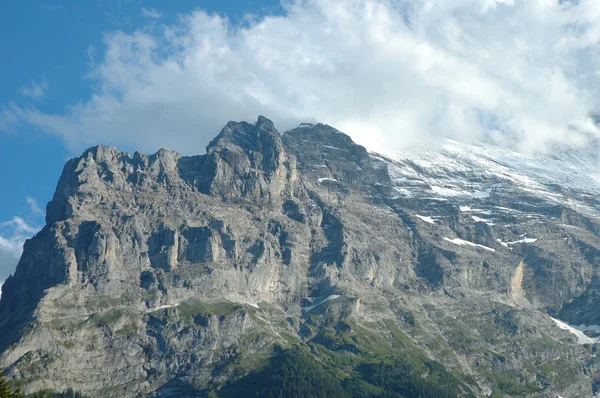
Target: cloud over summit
pixel 387 72
pixel 13 234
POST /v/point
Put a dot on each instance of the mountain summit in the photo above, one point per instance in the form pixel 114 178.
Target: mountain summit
pixel 421 274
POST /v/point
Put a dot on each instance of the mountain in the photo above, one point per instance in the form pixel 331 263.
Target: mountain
pixel 301 259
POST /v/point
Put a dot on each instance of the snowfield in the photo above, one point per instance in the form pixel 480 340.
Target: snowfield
pixel 428 220
pixel 524 240
pixel 162 307
pixel 326 179
pixel 461 242
pixel 483 220
pixel 459 171
pixel 581 337
pixel 332 297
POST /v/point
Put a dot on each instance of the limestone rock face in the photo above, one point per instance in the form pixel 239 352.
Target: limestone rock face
pixel 243 161
pixel 161 274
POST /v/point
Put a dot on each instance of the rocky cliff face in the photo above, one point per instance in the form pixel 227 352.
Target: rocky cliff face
pixel 165 274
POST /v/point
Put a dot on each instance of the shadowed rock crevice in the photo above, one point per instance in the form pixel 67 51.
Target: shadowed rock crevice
pixel 333 252
pixel 428 267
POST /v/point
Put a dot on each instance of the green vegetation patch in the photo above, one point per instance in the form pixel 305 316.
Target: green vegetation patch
pixel 196 311
pixel 296 372
pixel 103 302
pixel 108 318
pixel 65 324
pixel 293 373
pixel 352 360
pixel 504 384
pixel 557 373
pixel 195 306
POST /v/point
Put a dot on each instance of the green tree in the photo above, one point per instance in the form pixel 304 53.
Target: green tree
pixel 294 373
pixel 5 391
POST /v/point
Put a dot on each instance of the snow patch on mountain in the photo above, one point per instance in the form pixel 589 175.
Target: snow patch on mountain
pixel 502 243
pixel 461 242
pixel 326 179
pixel 483 220
pixel 462 172
pixel 426 219
pixel 332 297
pixel 447 191
pixel 523 240
pixel 587 328
pixel 581 337
pixel 481 194
pixel 161 307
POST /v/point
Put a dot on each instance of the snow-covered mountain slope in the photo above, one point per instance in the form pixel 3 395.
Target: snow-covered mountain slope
pixel 482 196
pixel 491 180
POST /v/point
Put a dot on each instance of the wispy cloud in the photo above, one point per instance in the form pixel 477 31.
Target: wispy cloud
pixel 91 54
pixel 10 118
pixel 35 90
pixel 13 234
pixel 151 13
pixel 388 72
pixel 35 209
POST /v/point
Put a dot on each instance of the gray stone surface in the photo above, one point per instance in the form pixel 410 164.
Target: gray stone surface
pixel 159 273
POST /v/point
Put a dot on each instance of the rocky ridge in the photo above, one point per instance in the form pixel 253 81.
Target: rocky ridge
pixel 164 274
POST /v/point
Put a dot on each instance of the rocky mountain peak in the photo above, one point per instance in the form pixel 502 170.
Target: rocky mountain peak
pixel 259 143
pixel 245 136
pixel 101 169
pixel 331 156
pixel 244 160
pixel 170 275
pixel 102 153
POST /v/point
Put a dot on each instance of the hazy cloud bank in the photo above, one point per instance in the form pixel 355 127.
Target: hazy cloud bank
pixel 387 72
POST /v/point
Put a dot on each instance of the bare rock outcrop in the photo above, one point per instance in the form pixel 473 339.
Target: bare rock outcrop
pixel 159 271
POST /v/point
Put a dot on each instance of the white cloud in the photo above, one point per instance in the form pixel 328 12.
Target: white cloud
pixel 151 13
pixel 91 54
pixel 13 234
pixel 35 90
pixel 35 209
pixel 386 71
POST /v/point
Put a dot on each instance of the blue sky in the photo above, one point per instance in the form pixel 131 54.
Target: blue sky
pixel 48 45
pixel 146 74
pixel 51 45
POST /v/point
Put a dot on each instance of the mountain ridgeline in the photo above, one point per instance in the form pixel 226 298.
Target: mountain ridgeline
pixel 301 265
